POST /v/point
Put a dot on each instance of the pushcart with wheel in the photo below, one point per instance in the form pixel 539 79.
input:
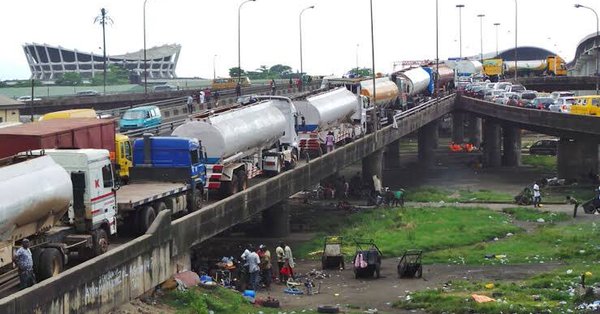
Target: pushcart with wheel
pixel 410 265
pixel 367 259
pixel 332 253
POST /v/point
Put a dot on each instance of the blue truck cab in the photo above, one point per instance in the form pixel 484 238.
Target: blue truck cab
pixel 175 159
pixel 140 117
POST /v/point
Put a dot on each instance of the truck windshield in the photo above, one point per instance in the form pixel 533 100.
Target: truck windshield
pixel 133 115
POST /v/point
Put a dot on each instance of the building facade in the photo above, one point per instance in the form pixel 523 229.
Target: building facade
pixel 49 63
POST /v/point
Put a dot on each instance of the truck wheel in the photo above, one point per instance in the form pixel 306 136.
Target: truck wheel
pixel 51 263
pixel 145 218
pixel 100 241
pixel 35 256
pixel 243 180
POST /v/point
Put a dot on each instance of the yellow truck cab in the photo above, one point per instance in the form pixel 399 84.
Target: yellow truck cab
pixel 556 66
pixel 586 105
pixel 493 67
pixel 121 156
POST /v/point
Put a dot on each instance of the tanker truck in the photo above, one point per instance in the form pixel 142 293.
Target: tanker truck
pixel 337 111
pixel 243 143
pixel 552 66
pixel 63 201
pixel 467 71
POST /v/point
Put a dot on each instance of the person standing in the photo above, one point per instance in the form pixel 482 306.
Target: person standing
pixel 254 269
pixel 329 141
pixel 24 263
pixel 289 259
pixel 273 87
pixel 202 99
pixel 279 251
pixel 575 203
pixel 537 196
pixel 238 89
pixel 190 104
pixel 265 265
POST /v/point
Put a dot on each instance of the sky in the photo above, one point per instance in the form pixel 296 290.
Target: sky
pixel 336 33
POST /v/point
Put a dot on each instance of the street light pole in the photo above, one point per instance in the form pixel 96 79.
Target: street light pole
pixel 214 67
pixel 357 45
pixel 597 44
pixel 480 16
pixel 145 59
pixel 374 115
pixel 460 6
pixel 300 26
pixel 496 24
pixel 437 56
pixel 239 42
pixel 516 28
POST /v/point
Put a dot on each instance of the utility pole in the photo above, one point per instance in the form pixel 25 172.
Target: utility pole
pixel 103 19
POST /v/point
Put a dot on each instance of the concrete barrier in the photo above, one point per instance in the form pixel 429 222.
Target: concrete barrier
pixel 125 273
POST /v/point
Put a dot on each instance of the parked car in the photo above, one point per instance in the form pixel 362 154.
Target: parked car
pixel 514 100
pixel 542 103
pixel 89 92
pixel 544 147
pixel 502 85
pixel 562 104
pixel 515 88
pixel 140 117
pixel 28 98
pixel 491 94
pixel 164 88
pixel 556 95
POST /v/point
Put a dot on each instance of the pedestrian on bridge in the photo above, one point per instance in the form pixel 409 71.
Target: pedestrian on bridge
pixel 24 262
pixel 329 141
pixel 190 104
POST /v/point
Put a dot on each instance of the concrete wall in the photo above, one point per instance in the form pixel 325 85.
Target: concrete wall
pixel 125 273
pixel 9 115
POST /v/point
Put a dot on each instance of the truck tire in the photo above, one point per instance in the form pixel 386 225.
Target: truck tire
pixel 243 180
pixel 145 218
pixel 100 242
pixel 51 263
pixel 35 256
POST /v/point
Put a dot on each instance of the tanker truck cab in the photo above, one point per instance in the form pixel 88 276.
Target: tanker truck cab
pixel 92 173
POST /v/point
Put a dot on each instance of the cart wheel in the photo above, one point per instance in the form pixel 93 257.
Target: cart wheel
pixel 328 309
pixel 355 274
pixel 401 270
pixel 419 272
pixel 377 271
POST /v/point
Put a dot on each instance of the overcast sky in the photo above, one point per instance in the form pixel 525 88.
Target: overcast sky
pixel 404 30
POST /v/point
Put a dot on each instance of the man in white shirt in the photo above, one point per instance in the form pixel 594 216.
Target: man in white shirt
pixel 254 269
pixel 537 196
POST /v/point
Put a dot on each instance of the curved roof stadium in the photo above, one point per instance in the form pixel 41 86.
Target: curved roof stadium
pixel 584 61
pixel 51 62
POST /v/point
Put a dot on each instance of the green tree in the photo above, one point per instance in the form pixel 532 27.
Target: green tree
pixel 361 72
pixel 114 76
pixel 70 79
pixel 280 70
pixel 234 72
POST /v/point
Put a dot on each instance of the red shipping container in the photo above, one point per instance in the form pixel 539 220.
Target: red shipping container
pixel 58 133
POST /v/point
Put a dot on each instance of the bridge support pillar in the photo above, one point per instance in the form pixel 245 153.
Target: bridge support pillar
pixel 576 159
pixel 372 165
pixel 392 155
pixel 427 143
pixel 512 146
pixel 491 147
pixel 276 220
pixel 458 127
pixel 474 130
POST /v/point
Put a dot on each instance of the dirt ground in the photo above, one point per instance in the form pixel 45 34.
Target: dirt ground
pixel 341 288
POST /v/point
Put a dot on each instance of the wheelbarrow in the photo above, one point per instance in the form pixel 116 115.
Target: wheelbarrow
pixel 332 253
pixel 367 259
pixel 410 265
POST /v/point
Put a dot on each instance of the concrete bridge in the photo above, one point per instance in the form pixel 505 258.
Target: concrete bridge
pixel 558 83
pixel 125 273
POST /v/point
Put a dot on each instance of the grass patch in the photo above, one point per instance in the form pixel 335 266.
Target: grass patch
pixel 553 292
pixel 219 300
pixel 429 229
pixel 531 214
pixel 574 243
pixel 434 194
pixel 557 194
pixel 545 163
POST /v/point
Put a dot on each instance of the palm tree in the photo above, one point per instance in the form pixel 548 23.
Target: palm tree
pixel 103 19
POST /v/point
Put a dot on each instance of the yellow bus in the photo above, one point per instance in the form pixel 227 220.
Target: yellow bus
pixel 69 114
pixel 228 83
pixel 586 105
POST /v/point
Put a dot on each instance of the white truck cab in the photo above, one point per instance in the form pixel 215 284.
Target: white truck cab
pixel 99 190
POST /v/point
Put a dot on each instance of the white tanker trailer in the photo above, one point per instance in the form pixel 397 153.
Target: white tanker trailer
pixel 414 81
pixel 38 190
pixel 338 111
pixel 243 143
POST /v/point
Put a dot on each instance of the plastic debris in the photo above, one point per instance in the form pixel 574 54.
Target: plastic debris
pixel 541 220
pixel 481 298
pixel 490 286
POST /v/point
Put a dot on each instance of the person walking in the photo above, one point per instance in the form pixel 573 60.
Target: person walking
pixel 329 141
pixel 265 265
pixel 24 262
pixel 273 87
pixel 280 252
pixel 190 104
pixel 254 269
pixel 537 196
pixel 202 99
